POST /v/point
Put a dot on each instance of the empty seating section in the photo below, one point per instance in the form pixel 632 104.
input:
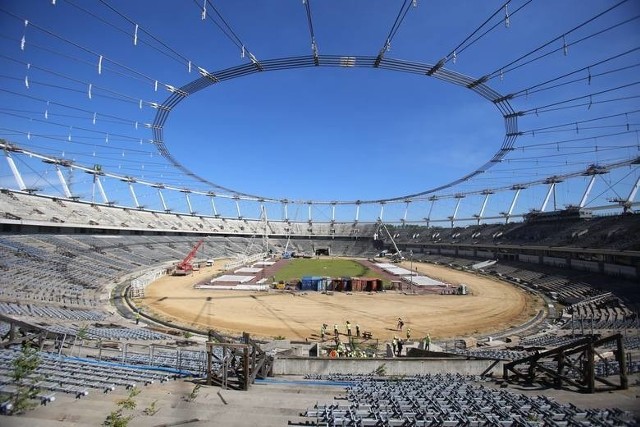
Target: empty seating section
pixel 39 270
pixel 4 328
pixel 73 269
pixel 567 286
pixel 109 333
pixel 39 311
pixel 60 281
pixel 353 247
pixel 588 324
pixel 606 368
pixel 611 232
pixel 192 362
pixel 601 312
pixel 493 354
pixel 630 343
pixel 76 377
pixel 549 341
pixel 25 207
pixel 449 400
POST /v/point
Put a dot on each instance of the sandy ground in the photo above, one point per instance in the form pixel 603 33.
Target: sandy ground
pixel 491 306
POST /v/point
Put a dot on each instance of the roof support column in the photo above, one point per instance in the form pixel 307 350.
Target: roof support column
pixel 552 190
pixel 585 196
pixel 263 211
pixel 237 199
pixel 186 196
pixel 63 182
pixel 433 201
pixel 133 194
pixel 15 171
pixel 103 194
pixel 164 204
pixel 459 198
pixel 486 193
pixel 628 202
pixel 518 189
pixel 213 205
pixel 406 210
pixel 634 191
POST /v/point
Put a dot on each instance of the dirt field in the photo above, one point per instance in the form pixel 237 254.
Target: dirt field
pixel 491 306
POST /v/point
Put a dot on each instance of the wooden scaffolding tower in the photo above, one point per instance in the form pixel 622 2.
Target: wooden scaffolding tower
pixel 572 365
pixel 236 365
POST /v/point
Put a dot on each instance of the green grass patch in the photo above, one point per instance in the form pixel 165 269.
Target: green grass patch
pixel 299 267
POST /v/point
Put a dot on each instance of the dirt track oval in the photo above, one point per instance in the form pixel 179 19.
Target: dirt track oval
pixel 491 306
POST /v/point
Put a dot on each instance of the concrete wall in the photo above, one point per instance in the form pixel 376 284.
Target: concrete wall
pixel 621 270
pixel 556 262
pixel 579 264
pixel 534 259
pixel 392 366
pixel 484 254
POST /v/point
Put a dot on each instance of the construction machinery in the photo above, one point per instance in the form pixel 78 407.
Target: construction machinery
pixel 185 266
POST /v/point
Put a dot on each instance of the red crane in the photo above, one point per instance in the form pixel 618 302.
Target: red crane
pixel 185 265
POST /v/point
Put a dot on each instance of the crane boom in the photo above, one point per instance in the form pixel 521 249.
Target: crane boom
pixel 398 254
pixel 185 264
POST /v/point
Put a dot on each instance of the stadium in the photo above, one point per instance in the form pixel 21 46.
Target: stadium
pixel 391 213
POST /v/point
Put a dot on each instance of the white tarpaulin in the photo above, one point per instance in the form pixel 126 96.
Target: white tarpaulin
pixel 248 270
pixel 249 287
pixel 384 265
pixel 232 278
pixel 399 271
pixel 263 263
pixel 425 281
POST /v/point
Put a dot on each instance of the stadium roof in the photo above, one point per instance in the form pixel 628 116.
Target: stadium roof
pixel 393 110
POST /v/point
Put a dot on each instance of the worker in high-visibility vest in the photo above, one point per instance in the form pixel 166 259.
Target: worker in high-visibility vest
pixel 427 342
pixel 348 325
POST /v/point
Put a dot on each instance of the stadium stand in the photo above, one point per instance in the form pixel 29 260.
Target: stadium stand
pixel 58 277
pixel 448 400
pixel 77 377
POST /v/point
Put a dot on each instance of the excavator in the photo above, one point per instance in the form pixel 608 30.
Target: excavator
pixel 185 267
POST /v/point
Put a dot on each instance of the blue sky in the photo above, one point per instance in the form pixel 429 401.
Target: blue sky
pixel 322 133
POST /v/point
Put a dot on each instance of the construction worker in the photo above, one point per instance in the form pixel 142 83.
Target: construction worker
pixel 357 330
pixel 394 344
pixel 323 330
pixel 137 317
pixel 348 325
pixel 335 329
pixel 427 342
pixel 408 333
